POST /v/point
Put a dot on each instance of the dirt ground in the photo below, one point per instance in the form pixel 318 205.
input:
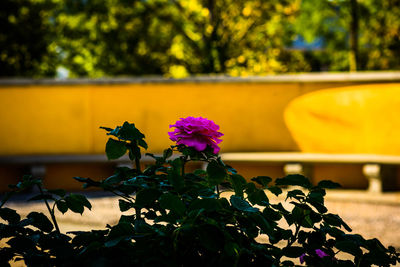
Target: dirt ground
pixel 369 215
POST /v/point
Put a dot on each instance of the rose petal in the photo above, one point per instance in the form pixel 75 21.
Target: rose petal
pixel 197 133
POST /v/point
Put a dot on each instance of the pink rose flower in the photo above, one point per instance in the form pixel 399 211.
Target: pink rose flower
pixel 197 133
pixel 319 253
pixel 302 258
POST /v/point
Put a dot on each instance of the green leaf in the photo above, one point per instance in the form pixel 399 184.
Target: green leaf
pixel 176 180
pixel 208 204
pixel 106 128
pixel 216 173
pixel 81 179
pixel 115 132
pixel 349 247
pixel 176 165
pixel 62 206
pixel 294 179
pixel 307 222
pixel 279 207
pixel 328 184
pixel 146 197
pixel 74 206
pixel 141 227
pixel 287 263
pixel 128 131
pixel 6 255
pixel 261 222
pixel 167 153
pixel 115 149
pixel 21 243
pixel 232 249
pixel 9 215
pixel 258 197
pixel 231 169
pixel 271 214
pixel 317 196
pixel 250 188
pixel 262 180
pixel 335 232
pixel 296 194
pixel 238 183
pixel 76 203
pixel 124 205
pixel 241 204
pixel 40 221
pixel 27 182
pixel 320 207
pixel 335 220
pixel 142 143
pixel 275 190
pixel 127 219
pixel 297 214
pixel 211 237
pixel 119 232
pixel 293 252
pixel 113 179
pixel 172 202
pixel 87 182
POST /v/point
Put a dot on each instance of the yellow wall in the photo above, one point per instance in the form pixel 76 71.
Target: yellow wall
pixel 356 119
pixel 39 118
pixel 65 119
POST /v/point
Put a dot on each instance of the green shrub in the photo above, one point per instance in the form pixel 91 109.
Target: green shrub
pixel 184 219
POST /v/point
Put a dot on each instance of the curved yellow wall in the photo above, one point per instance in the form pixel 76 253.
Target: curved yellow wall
pixel 65 119
pixel 356 119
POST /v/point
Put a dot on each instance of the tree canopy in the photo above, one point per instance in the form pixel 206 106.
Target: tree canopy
pixel 377 32
pixel 177 38
pixel 27 38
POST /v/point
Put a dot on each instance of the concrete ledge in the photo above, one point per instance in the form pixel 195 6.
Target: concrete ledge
pixel 282 157
pixel 370 77
pixel 48 159
pixel 379 170
pixel 387 198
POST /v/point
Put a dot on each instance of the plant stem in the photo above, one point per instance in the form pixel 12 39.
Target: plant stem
pixel 53 218
pixel 184 161
pixel 137 163
pixel 137 160
pixel 138 213
pixel 217 188
pixel 124 197
pixel 290 242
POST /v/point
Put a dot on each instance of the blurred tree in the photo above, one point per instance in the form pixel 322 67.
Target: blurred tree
pixel 27 36
pixel 178 37
pixel 329 20
pixel 380 34
pixel 361 34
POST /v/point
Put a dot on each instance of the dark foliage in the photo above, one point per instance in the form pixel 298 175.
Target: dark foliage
pixel 175 218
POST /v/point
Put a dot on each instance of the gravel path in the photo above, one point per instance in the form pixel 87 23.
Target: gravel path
pixel 370 220
pixel 371 216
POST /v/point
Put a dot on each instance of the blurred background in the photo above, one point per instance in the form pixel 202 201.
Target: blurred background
pixel 179 38
pixel 309 76
pixel 297 86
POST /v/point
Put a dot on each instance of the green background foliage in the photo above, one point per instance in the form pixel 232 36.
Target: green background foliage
pixel 177 38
